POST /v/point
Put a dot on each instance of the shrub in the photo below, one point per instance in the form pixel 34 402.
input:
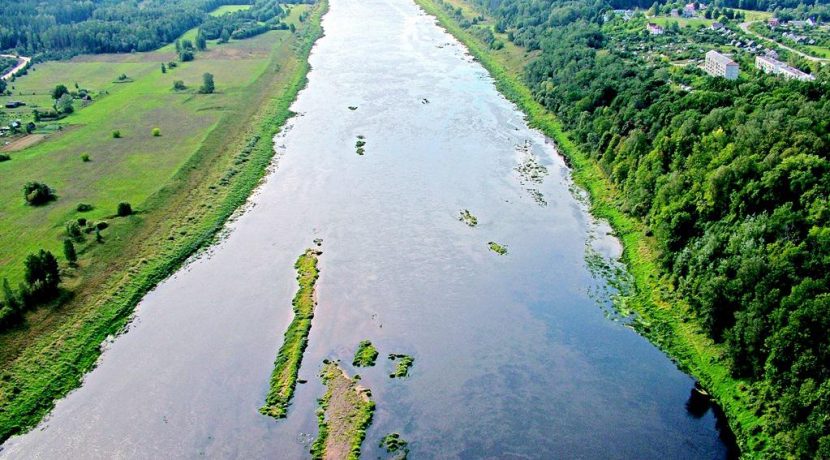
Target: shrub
pixel 116 134
pixel 101 225
pixel 83 207
pixel 207 84
pixel 37 194
pixel 156 132
pixel 73 230
pixel 124 209
pixel 4 157
pixel 85 157
pixel 69 251
pixel 82 221
pixel 179 85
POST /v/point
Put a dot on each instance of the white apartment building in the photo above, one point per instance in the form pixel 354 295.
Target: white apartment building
pixel 720 65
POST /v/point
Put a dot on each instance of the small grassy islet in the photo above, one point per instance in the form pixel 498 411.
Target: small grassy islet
pixel 366 354
pixel 468 218
pixel 345 412
pixel 497 248
pixel 290 356
pixel 404 363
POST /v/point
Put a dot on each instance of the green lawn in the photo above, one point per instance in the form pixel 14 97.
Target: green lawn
pixel 682 22
pixel 752 15
pixel 128 169
pixel 225 9
pixel 818 51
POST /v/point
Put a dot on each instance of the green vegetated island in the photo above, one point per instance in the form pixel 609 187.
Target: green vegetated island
pixel 290 356
pixel 190 99
pixel 716 186
pixel 344 414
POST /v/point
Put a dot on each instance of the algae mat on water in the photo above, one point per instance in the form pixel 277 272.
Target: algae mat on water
pixel 290 356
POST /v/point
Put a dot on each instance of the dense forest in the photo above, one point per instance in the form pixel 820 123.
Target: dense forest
pixel 732 179
pixel 62 28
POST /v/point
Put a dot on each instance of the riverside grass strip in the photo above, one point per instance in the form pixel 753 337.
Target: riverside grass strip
pixel 54 364
pixel 663 318
pixel 345 412
pixel 290 356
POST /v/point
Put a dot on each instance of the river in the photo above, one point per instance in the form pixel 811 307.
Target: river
pixel 515 355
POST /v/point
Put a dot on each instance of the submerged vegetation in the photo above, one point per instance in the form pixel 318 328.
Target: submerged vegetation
pixel 366 354
pixel 468 218
pixel 359 144
pixel 345 412
pixel 395 444
pixel 402 365
pixel 290 356
pixel 497 248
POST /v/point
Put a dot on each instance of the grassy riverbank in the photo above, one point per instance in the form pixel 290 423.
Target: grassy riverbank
pixel 45 360
pixel 663 318
pixel 290 356
pixel 346 410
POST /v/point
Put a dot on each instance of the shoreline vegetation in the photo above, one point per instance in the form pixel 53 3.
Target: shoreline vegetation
pixel 290 356
pixel 192 211
pixel 345 412
pixel 666 321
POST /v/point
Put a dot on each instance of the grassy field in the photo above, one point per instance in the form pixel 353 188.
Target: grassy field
pixel 818 51
pixel 752 15
pixel 127 169
pixel 210 173
pixel 225 9
pixel 682 22
pixel 662 317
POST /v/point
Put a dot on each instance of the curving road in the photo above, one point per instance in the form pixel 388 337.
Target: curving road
pixel 745 27
pixel 22 61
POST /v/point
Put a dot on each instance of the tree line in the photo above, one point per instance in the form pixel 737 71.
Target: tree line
pixel 62 28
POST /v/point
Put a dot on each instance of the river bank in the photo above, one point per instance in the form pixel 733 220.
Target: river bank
pixel 663 318
pixel 191 211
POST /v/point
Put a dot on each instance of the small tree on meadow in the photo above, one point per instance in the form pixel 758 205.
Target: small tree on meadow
pixel 69 251
pixel 59 91
pixel 156 132
pixel 163 68
pixel 37 193
pixel 207 84
pixel 124 209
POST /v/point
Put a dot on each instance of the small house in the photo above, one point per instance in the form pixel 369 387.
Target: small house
pixel 655 29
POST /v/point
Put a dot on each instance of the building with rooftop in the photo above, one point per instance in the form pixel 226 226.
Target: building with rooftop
pixel 773 66
pixel 654 29
pixel 721 65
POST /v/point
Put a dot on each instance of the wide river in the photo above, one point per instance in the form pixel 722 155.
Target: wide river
pixel 515 355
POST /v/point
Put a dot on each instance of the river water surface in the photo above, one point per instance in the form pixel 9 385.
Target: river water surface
pixel 514 355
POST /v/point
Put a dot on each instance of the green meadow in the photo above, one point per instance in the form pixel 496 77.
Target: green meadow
pixel 225 9
pixel 130 168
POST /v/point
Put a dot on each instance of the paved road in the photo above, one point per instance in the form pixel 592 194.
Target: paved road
pixel 21 62
pixel 745 28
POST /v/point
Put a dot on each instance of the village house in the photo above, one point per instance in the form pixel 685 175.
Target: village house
pixel 720 65
pixel 774 22
pixel 654 29
pixel 717 26
pixel 773 66
pixel 689 11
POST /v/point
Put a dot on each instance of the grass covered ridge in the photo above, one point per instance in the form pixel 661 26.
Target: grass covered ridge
pixel 665 320
pixel 191 210
pixel 290 356
pixel 345 412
